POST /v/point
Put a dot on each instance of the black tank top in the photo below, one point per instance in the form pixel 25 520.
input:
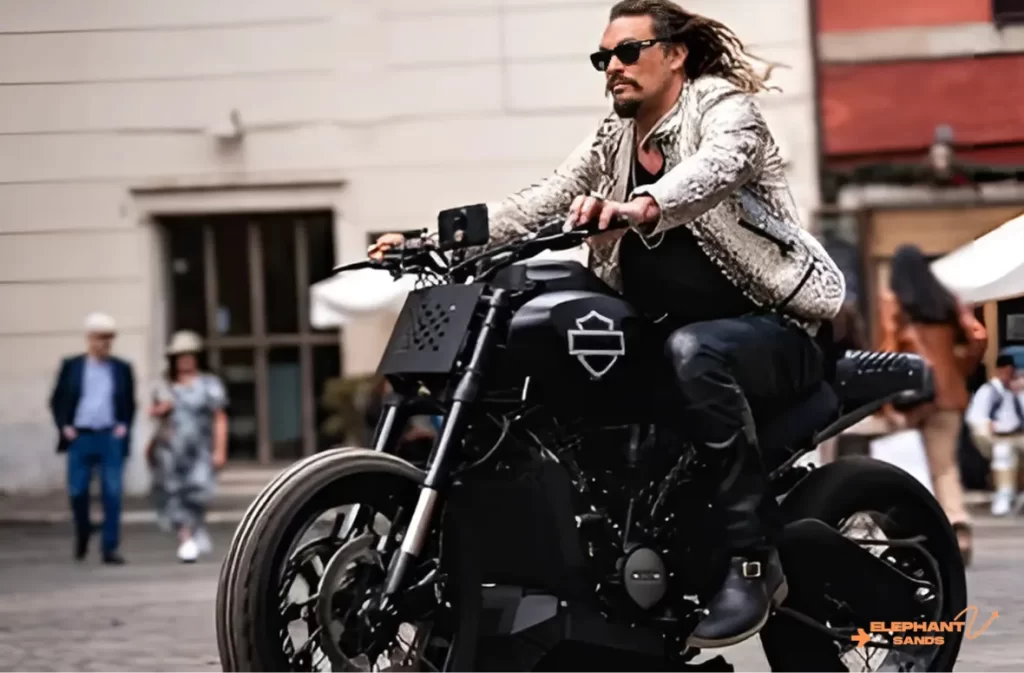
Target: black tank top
pixel 670 275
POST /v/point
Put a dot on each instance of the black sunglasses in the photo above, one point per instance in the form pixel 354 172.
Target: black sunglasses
pixel 627 52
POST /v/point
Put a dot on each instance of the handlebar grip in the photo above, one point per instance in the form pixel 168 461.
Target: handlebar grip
pixel 354 266
pixel 616 223
pixel 555 227
pixel 394 254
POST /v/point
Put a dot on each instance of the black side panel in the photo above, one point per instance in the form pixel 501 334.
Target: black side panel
pixel 535 632
pixel 520 529
pixel 430 330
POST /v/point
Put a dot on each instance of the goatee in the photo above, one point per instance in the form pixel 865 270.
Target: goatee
pixel 626 109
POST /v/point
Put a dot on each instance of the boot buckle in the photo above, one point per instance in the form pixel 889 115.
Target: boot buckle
pixel 751 569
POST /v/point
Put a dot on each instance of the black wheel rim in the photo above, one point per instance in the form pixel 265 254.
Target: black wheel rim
pixel 325 532
pixel 891 536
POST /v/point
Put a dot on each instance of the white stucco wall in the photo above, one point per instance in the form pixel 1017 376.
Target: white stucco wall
pixel 416 105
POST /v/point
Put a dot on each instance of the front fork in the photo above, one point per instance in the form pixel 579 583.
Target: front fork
pixel 439 463
pixel 381 441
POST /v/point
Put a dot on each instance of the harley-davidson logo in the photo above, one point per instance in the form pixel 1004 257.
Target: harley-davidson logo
pixel 596 344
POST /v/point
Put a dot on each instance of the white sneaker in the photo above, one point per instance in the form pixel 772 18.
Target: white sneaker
pixel 203 541
pixel 188 551
pixel 1002 503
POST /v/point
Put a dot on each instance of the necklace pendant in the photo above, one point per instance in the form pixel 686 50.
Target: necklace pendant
pixel 651 246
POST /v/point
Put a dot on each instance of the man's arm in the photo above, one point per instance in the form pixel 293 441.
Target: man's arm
pixel 978 409
pixel 130 381
pixel 528 208
pixel 977 340
pixel 733 138
pixel 56 397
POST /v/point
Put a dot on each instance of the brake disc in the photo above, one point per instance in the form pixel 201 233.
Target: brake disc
pixel 360 550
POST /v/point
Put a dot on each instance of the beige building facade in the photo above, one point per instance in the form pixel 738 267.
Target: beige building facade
pixel 198 164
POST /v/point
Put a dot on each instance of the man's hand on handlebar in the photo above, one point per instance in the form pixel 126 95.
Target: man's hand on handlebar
pixel 583 211
pixel 587 209
pixel 384 243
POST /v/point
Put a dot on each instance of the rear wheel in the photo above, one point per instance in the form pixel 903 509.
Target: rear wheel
pixel 891 514
pixel 300 588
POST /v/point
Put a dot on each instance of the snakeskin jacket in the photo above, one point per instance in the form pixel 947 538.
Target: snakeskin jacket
pixel 723 179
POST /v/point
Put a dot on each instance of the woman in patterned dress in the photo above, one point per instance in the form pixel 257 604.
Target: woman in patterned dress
pixel 190 444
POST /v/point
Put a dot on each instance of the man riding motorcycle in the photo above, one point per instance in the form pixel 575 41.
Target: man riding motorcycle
pixel 715 253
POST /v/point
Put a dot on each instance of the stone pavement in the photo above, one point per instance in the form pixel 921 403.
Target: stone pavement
pixel 157 615
pixel 237 487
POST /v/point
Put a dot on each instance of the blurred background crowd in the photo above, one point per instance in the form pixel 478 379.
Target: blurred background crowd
pixel 196 169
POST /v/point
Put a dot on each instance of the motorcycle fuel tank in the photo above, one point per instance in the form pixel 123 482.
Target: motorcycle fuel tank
pixel 582 349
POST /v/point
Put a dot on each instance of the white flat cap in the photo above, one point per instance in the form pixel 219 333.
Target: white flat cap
pixel 100 323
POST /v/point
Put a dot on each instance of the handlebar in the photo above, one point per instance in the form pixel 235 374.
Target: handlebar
pixel 550 236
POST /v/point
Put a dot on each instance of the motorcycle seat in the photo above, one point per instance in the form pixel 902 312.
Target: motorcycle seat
pixel 863 377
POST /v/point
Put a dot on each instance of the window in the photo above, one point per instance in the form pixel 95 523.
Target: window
pixel 242 281
pixel 1008 11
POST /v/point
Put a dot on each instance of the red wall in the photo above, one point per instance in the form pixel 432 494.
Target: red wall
pixel 844 15
pixel 894 107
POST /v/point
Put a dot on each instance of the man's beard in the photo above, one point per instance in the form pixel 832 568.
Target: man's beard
pixel 627 109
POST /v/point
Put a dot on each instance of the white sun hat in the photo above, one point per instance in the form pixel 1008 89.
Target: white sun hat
pixel 100 323
pixel 185 342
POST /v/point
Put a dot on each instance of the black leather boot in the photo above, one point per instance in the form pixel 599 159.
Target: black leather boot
pixel 741 607
pixel 755 581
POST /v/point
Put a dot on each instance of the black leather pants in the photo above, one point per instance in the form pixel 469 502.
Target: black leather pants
pixel 724 368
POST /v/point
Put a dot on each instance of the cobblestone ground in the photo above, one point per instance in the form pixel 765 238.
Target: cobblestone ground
pixel 157 615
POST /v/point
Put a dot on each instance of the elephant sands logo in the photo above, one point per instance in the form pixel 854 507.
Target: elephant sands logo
pixel 926 633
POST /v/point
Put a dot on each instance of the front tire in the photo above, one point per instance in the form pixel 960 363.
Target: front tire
pixel 249 632
pixel 834 494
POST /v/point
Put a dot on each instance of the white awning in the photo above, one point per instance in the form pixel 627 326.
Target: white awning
pixel 987 269
pixel 351 295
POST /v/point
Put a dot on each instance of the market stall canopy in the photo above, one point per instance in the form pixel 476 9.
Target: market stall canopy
pixel 987 269
pixel 363 293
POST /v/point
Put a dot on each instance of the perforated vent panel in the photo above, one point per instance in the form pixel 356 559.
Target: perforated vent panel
pixel 431 330
pixel 431 325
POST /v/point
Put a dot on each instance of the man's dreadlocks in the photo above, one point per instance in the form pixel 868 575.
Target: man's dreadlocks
pixel 712 48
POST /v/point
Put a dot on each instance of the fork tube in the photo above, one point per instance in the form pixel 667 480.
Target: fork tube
pixel 465 393
pixel 383 435
pixel 382 439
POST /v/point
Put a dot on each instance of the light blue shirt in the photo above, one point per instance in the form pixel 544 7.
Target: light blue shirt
pixel 96 406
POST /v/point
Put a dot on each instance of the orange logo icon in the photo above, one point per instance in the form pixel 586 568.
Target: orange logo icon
pixel 861 637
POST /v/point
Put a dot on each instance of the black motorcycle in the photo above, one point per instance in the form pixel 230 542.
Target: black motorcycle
pixel 562 520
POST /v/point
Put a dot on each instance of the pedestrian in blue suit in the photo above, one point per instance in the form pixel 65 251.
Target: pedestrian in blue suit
pixel 93 405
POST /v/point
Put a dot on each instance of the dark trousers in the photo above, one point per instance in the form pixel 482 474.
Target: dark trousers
pixel 91 451
pixel 723 368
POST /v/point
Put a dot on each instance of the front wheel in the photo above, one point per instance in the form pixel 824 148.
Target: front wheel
pixel 887 511
pixel 300 588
